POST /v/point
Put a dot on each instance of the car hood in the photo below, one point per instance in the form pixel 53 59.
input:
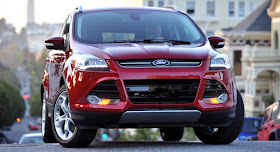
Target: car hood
pixel 124 51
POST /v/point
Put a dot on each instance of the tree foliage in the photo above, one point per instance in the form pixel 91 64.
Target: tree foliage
pixel 35 104
pixel 12 104
pixel 36 69
pixel 7 75
pixel 146 134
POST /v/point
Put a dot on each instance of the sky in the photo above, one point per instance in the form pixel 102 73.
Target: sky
pixel 52 11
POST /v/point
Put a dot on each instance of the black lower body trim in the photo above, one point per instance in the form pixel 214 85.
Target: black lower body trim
pixel 153 119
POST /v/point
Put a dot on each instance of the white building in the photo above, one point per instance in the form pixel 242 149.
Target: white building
pixel 212 15
pixel 256 62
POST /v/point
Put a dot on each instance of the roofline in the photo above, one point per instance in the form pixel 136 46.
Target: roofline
pixel 244 33
pixel 125 8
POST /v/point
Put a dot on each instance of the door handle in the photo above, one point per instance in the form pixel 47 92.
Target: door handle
pixel 272 125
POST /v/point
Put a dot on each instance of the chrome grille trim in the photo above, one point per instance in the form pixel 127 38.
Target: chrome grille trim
pixel 148 63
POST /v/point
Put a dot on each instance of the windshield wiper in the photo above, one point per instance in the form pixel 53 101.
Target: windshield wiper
pixel 178 42
pixel 150 41
pixel 165 40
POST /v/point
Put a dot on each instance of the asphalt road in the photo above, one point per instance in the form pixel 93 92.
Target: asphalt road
pixel 151 146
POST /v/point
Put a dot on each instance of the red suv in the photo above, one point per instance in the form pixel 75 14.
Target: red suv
pixel 137 67
pixel 270 129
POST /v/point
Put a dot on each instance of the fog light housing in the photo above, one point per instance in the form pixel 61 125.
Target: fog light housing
pixel 216 100
pixel 92 99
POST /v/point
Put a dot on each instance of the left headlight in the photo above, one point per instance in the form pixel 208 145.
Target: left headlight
pixel 220 61
pixel 89 62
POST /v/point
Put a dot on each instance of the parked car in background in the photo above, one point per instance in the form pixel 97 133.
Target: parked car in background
pixel 31 138
pixel 270 129
pixel 250 128
pixel 33 126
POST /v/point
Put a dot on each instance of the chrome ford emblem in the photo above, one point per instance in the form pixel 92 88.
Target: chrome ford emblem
pixel 160 62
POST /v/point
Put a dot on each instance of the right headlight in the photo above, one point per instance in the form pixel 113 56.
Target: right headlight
pixel 220 61
pixel 89 62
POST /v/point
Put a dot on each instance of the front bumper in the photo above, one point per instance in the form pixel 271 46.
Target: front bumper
pixel 196 113
pixel 153 119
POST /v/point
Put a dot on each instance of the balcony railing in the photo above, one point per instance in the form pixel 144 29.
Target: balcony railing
pixel 260 52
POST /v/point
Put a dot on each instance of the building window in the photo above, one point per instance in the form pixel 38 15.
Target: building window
pixel 276 42
pixel 190 7
pixel 231 9
pixel 241 9
pixel 160 3
pixel 151 3
pixel 170 2
pixel 252 6
pixel 237 62
pixel 210 8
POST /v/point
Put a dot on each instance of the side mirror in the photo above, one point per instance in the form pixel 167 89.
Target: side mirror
pixel 56 43
pixel 217 42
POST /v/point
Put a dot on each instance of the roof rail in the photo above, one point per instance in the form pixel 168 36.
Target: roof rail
pixel 80 9
pixel 172 7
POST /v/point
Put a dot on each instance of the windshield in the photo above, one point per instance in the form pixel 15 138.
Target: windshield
pixel 135 26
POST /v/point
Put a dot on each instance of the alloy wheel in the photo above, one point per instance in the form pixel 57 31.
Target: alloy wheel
pixel 64 126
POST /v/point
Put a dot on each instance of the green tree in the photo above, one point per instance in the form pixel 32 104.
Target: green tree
pixel 189 134
pixel 36 69
pixel 7 75
pixel 146 134
pixel 35 104
pixel 12 104
pixel 268 100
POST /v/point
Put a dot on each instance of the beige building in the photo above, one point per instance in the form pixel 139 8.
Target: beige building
pixel 212 15
pixel 253 48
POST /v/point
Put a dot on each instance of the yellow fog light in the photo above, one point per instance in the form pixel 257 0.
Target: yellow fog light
pixel 212 100
pixel 216 100
pixel 104 102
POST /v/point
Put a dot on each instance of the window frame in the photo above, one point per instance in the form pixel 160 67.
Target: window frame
pixel 228 8
pixel 265 121
pixel 215 6
pixel 66 24
pixel 274 112
pixel 160 1
pixel 244 10
pixel 194 14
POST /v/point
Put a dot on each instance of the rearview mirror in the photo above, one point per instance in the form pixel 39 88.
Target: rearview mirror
pixel 56 43
pixel 216 41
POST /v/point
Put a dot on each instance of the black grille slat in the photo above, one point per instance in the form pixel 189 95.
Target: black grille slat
pixel 213 88
pixel 106 89
pixel 165 91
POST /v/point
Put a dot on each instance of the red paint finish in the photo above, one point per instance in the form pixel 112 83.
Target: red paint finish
pixel 60 69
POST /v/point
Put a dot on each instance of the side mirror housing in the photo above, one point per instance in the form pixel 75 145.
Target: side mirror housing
pixel 56 43
pixel 217 42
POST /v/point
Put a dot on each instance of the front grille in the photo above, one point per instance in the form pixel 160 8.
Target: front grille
pixel 165 91
pixel 213 88
pixel 149 63
pixel 106 89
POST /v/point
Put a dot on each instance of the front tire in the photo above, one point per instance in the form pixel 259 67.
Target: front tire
pixel 223 135
pixel 172 134
pixel 64 129
pixel 47 132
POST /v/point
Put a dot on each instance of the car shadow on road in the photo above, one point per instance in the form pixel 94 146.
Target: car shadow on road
pixel 135 144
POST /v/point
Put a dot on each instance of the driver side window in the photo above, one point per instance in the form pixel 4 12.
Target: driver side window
pixel 65 30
